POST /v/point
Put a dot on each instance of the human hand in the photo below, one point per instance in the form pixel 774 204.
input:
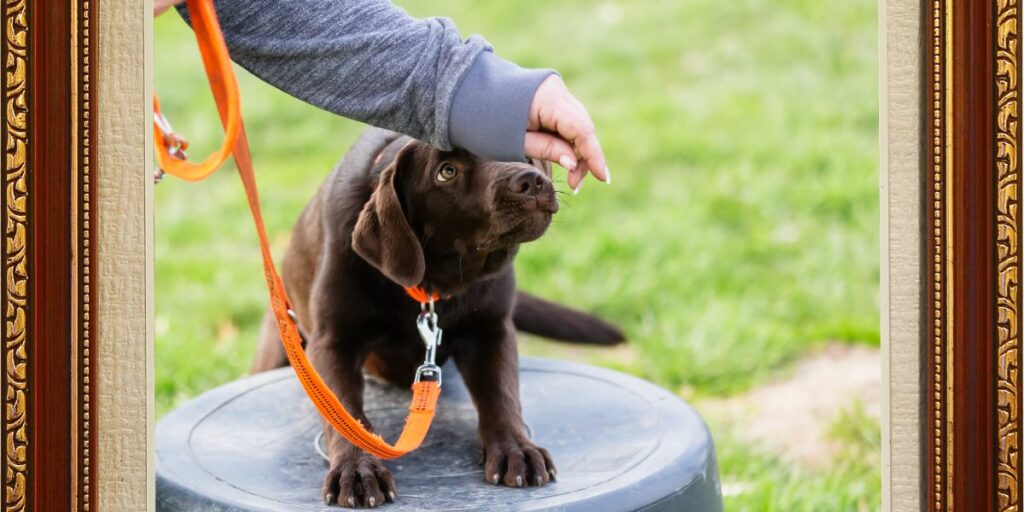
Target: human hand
pixel 159 6
pixel 560 130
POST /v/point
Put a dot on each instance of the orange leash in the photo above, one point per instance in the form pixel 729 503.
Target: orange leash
pixel 170 154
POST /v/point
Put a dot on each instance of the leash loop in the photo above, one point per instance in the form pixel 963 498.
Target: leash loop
pixel 214 52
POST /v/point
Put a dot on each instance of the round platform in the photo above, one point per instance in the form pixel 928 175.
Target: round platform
pixel 620 444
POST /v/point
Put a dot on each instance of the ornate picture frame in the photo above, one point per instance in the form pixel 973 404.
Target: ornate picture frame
pixel 77 342
pixel 971 385
pixel 49 218
pixel 59 388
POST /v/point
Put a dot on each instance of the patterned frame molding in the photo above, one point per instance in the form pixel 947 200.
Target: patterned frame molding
pixel 49 218
pixel 15 261
pixel 1008 262
pixel 972 386
pixel 83 227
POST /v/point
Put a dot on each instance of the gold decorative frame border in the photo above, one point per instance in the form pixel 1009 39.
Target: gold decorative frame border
pixel 16 285
pixel 83 207
pixel 938 390
pixel 972 267
pixel 939 448
pixel 36 403
pixel 1008 262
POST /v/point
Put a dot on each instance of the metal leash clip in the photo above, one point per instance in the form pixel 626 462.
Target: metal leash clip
pixel 298 328
pixel 426 323
pixel 176 144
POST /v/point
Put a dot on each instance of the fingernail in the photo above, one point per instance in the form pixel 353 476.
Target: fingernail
pixel 607 176
pixel 391 494
pixel 519 481
pixel 494 478
pixel 578 187
pixel 373 501
pixel 351 501
pixel 329 499
pixel 538 481
pixel 567 162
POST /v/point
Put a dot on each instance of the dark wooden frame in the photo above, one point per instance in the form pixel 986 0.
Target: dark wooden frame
pixel 49 212
pixel 971 168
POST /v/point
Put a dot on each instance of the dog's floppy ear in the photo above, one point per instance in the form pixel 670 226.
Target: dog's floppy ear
pixel 382 235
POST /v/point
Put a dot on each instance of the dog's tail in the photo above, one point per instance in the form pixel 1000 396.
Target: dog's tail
pixel 539 317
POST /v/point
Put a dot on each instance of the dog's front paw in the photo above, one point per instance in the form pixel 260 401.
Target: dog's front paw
pixel 517 463
pixel 358 480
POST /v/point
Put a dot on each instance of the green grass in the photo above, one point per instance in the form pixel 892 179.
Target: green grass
pixel 741 231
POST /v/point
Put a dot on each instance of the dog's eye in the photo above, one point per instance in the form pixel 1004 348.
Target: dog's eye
pixel 447 172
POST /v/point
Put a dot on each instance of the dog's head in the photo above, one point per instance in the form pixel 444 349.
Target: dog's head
pixel 449 218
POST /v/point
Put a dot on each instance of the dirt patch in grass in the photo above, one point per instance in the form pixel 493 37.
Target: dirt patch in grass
pixel 795 414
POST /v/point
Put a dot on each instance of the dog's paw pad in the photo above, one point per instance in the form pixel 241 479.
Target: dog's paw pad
pixel 517 463
pixel 358 481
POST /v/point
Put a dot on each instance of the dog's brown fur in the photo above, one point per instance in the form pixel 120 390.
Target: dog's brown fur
pixel 384 220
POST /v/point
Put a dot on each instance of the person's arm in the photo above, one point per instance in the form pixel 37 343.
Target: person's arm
pixel 370 61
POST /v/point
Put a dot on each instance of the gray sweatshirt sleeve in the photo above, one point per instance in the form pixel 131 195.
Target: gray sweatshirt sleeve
pixel 370 61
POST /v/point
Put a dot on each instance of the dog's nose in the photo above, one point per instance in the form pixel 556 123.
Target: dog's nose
pixel 529 182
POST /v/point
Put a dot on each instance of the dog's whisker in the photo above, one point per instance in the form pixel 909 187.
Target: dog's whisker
pixel 462 280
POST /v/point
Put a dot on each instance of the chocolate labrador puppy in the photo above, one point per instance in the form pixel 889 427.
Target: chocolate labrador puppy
pixel 397 212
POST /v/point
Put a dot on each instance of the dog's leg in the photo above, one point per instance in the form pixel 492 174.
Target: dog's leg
pixel 489 365
pixel 355 478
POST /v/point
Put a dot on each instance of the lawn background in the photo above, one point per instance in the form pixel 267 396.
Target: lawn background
pixel 741 231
